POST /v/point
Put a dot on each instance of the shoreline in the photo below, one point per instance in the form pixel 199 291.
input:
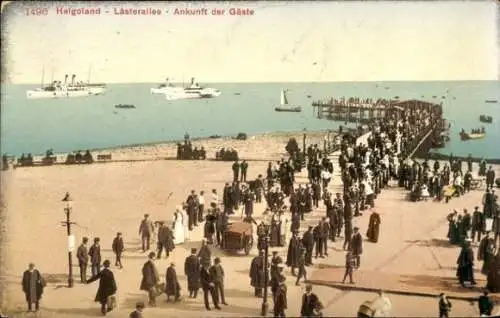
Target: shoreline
pixel 440 156
pixel 272 134
pixel 169 145
pixel 225 138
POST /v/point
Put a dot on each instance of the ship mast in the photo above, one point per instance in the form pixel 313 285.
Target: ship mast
pixel 43 75
pixel 88 76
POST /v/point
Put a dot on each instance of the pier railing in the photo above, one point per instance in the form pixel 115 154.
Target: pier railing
pixel 420 144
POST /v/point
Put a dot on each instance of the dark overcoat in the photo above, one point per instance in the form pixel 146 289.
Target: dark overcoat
pixel 257 272
pixel 150 277
pixel 357 244
pixel 192 271
pixel 309 304
pixel 465 264
pixel 95 254
pixel 206 278
pixel 172 286
pixel 118 245
pixel 249 198
pixel 280 298
pixel 308 240
pixel 107 285
pixel 205 255
pixel 40 284
pixel 166 237
pixel 373 227
pixel 486 253
pixel 292 257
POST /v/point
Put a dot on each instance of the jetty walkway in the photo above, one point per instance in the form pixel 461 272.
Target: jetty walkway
pixel 397 265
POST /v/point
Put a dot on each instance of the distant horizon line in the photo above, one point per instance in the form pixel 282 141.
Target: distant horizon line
pixel 264 82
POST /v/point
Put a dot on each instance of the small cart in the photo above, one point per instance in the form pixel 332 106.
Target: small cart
pixel 238 236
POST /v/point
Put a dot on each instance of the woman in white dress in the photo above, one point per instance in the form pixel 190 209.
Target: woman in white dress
pixel 179 226
pixel 283 228
pixel 369 194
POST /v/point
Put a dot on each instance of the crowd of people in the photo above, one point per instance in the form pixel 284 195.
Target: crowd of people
pixel 365 169
pixel 185 151
pixel 225 154
pixel 481 229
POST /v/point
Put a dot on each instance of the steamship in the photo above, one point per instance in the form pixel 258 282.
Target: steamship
pixel 57 89
pixel 194 91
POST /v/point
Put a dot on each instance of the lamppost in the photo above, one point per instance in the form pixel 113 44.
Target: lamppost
pixel 265 305
pixel 324 144
pixel 71 239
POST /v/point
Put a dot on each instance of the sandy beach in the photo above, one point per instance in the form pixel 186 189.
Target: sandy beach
pixel 265 146
pixel 114 196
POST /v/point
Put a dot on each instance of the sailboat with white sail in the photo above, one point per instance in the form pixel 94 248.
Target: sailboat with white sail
pixel 284 106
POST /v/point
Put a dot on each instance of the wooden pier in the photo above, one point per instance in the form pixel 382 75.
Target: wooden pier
pixel 366 111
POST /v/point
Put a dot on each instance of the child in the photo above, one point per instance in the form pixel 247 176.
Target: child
pixel 350 262
pixel 302 266
pixel 424 192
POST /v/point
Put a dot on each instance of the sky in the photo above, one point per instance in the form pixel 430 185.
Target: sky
pixel 280 42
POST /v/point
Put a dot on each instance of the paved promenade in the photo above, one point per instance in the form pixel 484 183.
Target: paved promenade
pixel 412 243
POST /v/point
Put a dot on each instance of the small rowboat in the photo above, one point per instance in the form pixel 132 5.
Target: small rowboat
pixel 296 109
pixel 486 119
pixel 466 136
pixel 124 106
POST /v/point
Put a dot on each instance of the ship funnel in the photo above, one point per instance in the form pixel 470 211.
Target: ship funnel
pixel 65 79
pixel 192 80
pixel 73 79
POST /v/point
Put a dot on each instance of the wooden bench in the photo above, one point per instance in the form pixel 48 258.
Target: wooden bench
pixel 104 157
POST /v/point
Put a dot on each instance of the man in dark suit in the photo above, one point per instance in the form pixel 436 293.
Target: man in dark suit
pixel 150 279
pixel 118 248
pixel 192 271
pixel 220 223
pixel 192 206
pixel 485 304
pixel 236 170
pixel 83 259
pixel 208 285
pixel 172 287
pixel 324 236
pixel 477 224
pixel 490 177
pixel 107 287
pixel 145 231
pixel 316 187
pixel 95 256
pixel 33 285
pixel 280 298
pixel 308 244
pixel 165 240
pixel 356 246
pixel 227 199
pixel 244 169
pixel 302 266
pixel 310 303
pixel 217 272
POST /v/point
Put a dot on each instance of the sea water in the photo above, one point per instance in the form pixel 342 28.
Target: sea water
pixel 32 126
